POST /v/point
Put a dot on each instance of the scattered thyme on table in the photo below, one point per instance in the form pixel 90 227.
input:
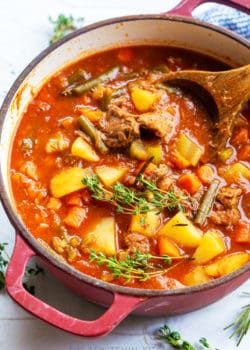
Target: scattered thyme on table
pixel 30 272
pixel 63 25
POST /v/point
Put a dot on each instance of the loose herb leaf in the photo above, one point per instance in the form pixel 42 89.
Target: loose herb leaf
pixel 139 266
pixel 4 260
pixel 63 25
pixel 129 201
pixel 30 274
pixel 174 339
pixel 241 324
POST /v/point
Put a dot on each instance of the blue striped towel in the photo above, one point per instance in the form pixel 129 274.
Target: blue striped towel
pixel 228 18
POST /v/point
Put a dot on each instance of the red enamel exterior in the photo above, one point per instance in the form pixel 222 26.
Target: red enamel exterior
pixel 119 305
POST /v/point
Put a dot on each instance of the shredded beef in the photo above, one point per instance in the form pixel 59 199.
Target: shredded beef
pixel 226 217
pixel 229 196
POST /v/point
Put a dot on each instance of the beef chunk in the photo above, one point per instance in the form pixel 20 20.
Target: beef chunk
pixel 119 128
pixel 161 123
pixel 226 217
pixel 229 196
pixel 136 241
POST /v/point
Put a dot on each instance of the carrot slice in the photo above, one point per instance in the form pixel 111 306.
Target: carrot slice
pixel 242 232
pixel 189 182
pixel 74 199
pixel 205 173
pixel 167 247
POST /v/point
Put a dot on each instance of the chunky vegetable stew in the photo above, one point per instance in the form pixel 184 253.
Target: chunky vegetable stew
pixel 111 172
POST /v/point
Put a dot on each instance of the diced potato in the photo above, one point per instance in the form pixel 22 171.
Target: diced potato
pixel 233 173
pixel 109 175
pixel 227 264
pixel 179 161
pixel 68 180
pixel 196 276
pixel 143 99
pixel 155 150
pixel 83 149
pixel 211 245
pixel 143 150
pixel 57 143
pixel 75 217
pixel 182 231
pixel 189 149
pixel 103 237
pixel 138 150
pixel 167 247
pixel 146 224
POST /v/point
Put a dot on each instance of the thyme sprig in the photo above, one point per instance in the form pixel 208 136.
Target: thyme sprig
pixel 129 201
pixel 4 260
pixel 174 339
pixel 63 25
pixel 241 325
pixel 137 266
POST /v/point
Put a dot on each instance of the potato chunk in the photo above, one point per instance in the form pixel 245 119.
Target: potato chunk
pixel 83 149
pixel 182 231
pixel 227 264
pixel 196 276
pixel 103 237
pixel 146 224
pixel 109 175
pixel 68 180
pixel 211 245
pixel 143 99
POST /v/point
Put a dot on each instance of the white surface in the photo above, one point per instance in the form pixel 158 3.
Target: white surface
pixel 24 32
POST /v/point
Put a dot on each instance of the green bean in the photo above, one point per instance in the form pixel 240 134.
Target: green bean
pixel 89 84
pixel 77 76
pixel 86 126
pixel 207 203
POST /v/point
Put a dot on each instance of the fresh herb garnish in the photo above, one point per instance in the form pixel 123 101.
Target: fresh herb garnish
pixel 30 273
pixel 174 339
pixel 63 25
pixel 241 324
pixel 139 266
pixel 4 260
pixel 129 201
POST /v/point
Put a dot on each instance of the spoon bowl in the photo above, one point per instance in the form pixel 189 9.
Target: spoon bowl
pixel 223 93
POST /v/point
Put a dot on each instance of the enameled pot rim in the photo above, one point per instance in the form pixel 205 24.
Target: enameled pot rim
pixel 12 214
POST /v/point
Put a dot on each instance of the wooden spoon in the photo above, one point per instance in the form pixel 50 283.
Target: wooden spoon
pixel 224 94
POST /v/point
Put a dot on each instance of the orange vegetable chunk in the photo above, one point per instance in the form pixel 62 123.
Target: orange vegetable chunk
pixel 75 217
pixel 242 232
pixel 167 247
pixel 189 182
pixel 205 173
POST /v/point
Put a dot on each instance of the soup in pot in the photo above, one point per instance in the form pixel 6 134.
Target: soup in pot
pixel 111 169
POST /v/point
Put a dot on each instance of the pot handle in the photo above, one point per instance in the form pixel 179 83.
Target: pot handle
pixel 122 304
pixel 186 7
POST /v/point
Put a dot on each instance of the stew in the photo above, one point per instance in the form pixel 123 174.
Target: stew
pixel 111 172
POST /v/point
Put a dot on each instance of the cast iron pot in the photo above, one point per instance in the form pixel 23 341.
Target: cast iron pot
pixel 177 28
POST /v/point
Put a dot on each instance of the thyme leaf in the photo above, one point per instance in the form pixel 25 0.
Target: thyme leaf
pixel 4 260
pixel 63 25
pixel 174 339
pixel 241 325
pixel 137 266
pixel 129 201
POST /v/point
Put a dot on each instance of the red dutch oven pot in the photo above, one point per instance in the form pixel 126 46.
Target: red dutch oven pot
pixel 176 28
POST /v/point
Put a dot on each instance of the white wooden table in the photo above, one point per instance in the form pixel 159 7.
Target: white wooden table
pixel 24 32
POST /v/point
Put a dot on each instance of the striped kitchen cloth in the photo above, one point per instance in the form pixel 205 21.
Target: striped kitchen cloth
pixel 226 17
